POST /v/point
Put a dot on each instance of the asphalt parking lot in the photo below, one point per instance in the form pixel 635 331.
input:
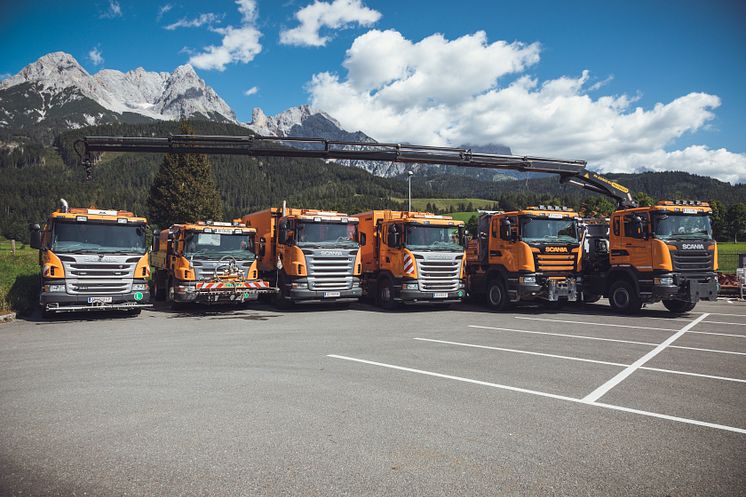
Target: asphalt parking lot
pixel 324 401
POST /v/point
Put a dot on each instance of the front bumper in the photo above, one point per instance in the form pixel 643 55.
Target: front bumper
pixel 189 292
pixel 416 296
pixel 297 291
pixel 688 288
pixel 550 289
pixel 65 302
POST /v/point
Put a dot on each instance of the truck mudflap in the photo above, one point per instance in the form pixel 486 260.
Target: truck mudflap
pixel 565 288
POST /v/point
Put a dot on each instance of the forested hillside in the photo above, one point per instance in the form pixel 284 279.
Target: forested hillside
pixel 34 177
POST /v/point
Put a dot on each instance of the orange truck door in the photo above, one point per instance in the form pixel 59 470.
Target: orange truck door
pixel 636 241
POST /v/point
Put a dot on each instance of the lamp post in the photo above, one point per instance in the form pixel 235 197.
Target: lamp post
pixel 409 184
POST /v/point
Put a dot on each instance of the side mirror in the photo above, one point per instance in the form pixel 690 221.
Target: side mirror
pixel 482 235
pixel 262 246
pixel 363 239
pixel 35 236
pixel 282 233
pixel 513 236
pixel 393 239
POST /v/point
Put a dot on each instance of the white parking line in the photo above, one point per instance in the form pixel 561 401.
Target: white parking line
pixel 542 394
pixel 707 350
pixel 555 356
pixel 595 324
pixel 582 337
pixel 734 335
pixel 581 359
pixel 725 314
pixel 603 389
pixel 722 322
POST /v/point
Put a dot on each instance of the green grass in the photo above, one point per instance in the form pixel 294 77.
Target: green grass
pixel 463 216
pixel 19 278
pixel 445 203
pixel 728 255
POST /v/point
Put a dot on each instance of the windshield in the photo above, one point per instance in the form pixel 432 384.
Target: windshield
pixel 200 245
pixel 443 238
pixel 549 230
pixel 683 226
pixel 313 233
pixel 98 238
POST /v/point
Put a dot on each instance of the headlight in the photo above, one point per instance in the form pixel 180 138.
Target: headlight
pixel 54 288
pixel 184 289
pixel 528 280
pixel 664 281
pixel 299 285
pixel 410 286
pixel 139 286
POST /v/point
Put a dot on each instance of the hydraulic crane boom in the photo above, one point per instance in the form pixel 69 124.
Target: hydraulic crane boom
pixel 570 171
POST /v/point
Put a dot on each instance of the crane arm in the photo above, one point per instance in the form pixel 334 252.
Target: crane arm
pixel 572 171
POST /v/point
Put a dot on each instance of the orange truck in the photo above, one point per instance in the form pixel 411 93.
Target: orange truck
pixel 664 252
pixel 311 255
pixel 525 255
pixel 411 257
pixel 206 262
pixel 92 260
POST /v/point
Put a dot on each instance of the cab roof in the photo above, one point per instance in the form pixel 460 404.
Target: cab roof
pixel 83 214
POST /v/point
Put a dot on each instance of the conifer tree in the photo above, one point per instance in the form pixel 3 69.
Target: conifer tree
pixel 184 190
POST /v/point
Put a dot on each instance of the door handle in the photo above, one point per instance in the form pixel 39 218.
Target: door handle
pixel 388 259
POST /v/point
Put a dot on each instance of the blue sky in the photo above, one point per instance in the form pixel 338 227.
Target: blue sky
pixel 653 52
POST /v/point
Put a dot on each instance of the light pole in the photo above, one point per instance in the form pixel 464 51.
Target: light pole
pixel 409 184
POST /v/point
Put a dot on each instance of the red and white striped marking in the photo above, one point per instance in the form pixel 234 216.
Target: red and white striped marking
pixel 408 264
pixel 245 284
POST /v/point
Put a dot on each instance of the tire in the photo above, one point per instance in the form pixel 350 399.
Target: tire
pixel 175 306
pixel 497 295
pixel 159 291
pixel 679 306
pixel 623 298
pixel 280 299
pixel 386 294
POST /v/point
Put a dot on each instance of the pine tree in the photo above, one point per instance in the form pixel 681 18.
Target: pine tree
pixel 184 190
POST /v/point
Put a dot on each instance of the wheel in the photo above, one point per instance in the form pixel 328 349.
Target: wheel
pixel 386 294
pixel 159 291
pixel 281 299
pixel 679 306
pixel 497 295
pixel 171 297
pixel 623 297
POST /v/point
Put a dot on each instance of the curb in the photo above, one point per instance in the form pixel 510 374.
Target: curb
pixel 6 318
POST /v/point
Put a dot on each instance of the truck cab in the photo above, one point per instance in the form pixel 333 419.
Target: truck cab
pixel 92 260
pixel 412 257
pixel 206 262
pixel 529 254
pixel 312 255
pixel 664 252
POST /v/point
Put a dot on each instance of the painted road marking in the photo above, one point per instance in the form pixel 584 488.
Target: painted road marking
pixel 595 324
pixel 603 389
pixel 583 337
pixel 734 335
pixel 555 356
pixel 570 358
pixel 707 350
pixel 541 394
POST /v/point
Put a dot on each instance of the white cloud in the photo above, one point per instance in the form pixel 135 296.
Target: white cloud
pixel 203 19
pixel 4 75
pixel 251 91
pixel 113 10
pixel 338 14
pixel 94 55
pixel 163 10
pixel 450 92
pixel 239 44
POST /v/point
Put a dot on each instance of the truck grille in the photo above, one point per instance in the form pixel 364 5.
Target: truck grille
pixel 96 277
pixel 692 261
pixel 330 269
pixel 438 276
pixel 554 263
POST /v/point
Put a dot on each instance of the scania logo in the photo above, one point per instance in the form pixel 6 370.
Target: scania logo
pixel 693 246
pixel 332 253
pixel 555 249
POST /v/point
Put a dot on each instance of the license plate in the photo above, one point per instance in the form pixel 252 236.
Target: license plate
pixel 440 295
pixel 99 300
pixel 331 294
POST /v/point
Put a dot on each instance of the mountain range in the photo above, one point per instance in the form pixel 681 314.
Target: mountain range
pixel 56 93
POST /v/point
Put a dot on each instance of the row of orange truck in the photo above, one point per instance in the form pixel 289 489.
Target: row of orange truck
pixel 94 259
